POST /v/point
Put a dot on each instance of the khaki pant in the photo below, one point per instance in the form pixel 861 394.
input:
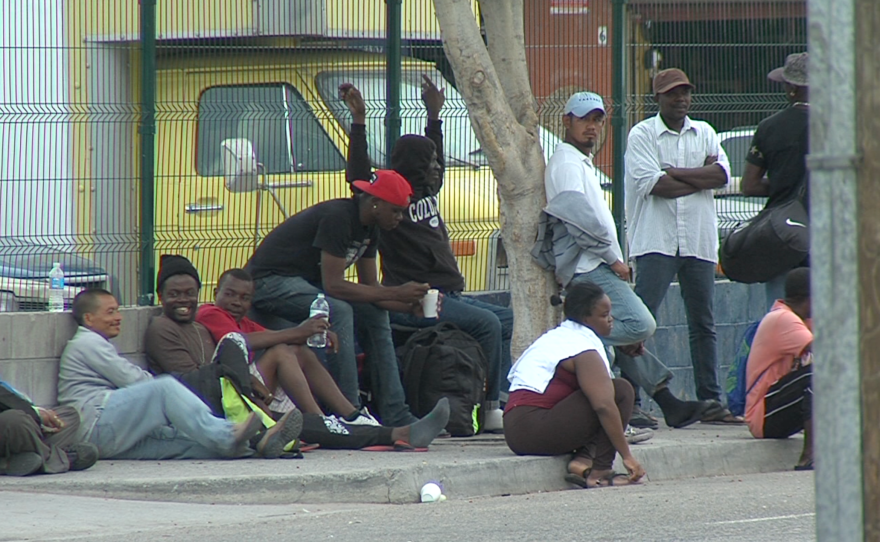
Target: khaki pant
pixel 19 433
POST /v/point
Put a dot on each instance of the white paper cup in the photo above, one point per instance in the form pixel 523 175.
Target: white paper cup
pixel 431 492
pixel 429 303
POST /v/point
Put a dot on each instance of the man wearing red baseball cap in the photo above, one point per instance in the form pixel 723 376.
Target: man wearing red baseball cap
pixel 672 165
pixel 309 254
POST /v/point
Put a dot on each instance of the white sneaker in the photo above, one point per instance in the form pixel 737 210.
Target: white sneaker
pixel 365 418
pixel 493 421
pixel 335 426
pixel 635 435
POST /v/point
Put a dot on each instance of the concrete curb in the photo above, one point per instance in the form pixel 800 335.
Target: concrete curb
pixel 466 470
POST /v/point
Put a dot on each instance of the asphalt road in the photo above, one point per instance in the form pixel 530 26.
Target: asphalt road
pixel 776 507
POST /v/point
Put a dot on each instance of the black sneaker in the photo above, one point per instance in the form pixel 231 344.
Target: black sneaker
pixel 81 455
pixel 21 464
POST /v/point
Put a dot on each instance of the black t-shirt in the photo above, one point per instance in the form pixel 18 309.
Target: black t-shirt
pixel 418 248
pixel 294 248
pixel 780 145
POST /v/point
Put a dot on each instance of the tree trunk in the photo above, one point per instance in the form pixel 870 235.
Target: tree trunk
pixel 504 120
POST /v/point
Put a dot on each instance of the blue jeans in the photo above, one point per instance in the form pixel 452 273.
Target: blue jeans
pixel 654 274
pixel 633 323
pixel 160 419
pixel 491 326
pixel 291 297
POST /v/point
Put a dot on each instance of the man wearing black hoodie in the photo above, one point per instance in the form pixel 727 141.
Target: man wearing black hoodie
pixel 419 249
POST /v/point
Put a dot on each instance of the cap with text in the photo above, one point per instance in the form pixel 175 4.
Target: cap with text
pixel 666 80
pixel 387 185
pixel 582 103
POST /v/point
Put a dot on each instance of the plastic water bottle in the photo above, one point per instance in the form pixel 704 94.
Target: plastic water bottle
pixel 56 288
pixel 319 308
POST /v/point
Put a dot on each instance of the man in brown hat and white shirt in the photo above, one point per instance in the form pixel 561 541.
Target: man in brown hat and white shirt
pixel 672 165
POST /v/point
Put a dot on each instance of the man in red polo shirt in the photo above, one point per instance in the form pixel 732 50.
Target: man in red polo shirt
pixel 282 356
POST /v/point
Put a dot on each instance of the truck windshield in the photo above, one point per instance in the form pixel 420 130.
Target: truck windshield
pixel 284 131
pixel 461 144
pixel 459 138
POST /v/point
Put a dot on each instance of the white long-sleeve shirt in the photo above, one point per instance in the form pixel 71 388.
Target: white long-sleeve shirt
pixel 686 226
pixel 91 369
pixel 571 170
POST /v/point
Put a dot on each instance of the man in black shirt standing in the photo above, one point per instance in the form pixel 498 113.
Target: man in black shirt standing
pixel 419 250
pixel 779 150
pixel 308 254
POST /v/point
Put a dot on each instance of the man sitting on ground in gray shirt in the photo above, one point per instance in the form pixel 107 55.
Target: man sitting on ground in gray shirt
pixel 128 414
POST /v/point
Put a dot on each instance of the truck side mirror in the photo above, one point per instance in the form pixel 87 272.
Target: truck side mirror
pixel 239 165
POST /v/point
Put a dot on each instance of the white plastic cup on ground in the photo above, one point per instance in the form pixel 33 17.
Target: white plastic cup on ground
pixel 429 303
pixel 431 492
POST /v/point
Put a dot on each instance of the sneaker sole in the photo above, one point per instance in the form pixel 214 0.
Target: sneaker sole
pixel 287 429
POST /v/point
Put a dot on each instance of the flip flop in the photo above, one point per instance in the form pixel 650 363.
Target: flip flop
pixel 808 466
pixel 609 478
pixel 399 446
pixel 722 417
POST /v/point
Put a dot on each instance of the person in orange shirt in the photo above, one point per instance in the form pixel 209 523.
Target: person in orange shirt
pixel 779 371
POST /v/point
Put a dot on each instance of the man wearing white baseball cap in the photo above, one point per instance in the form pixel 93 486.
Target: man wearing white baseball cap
pixel 582 237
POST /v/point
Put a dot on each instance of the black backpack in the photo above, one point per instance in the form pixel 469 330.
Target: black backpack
pixel 444 361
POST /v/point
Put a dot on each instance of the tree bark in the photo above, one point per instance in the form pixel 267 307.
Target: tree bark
pixel 504 120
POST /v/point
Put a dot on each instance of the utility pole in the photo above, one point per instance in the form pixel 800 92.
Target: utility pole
pixel 845 257
pixel 867 22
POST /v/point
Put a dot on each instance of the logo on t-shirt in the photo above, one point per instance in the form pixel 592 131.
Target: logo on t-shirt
pixel 355 251
pixel 427 208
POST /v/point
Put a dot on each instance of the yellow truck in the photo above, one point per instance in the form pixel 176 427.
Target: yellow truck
pixel 249 128
pixel 263 136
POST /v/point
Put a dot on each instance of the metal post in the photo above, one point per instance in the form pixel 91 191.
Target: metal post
pixel 147 131
pixel 618 119
pixel 393 77
pixel 834 230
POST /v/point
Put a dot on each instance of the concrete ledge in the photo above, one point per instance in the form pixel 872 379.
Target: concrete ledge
pixel 481 466
pixel 31 344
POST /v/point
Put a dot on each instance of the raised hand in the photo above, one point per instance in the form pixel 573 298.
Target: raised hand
pixel 432 97
pixel 349 94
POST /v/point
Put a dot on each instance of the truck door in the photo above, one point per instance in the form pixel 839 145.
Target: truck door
pixel 219 229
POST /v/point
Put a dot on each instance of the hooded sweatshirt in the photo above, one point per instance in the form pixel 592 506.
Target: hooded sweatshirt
pixel 418 249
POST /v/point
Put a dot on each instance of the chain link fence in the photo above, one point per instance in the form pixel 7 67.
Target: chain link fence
pixel 249 127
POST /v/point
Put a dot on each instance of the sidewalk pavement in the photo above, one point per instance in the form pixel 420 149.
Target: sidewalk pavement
pixel 466 468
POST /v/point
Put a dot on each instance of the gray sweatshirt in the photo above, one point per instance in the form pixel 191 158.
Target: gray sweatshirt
pixel 92 369
pixel 568 226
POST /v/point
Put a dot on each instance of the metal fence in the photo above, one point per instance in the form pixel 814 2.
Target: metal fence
pixel 232 79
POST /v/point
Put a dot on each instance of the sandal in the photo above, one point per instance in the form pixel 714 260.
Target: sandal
pixel 610 477
pixel 579 480
pixel 722 416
